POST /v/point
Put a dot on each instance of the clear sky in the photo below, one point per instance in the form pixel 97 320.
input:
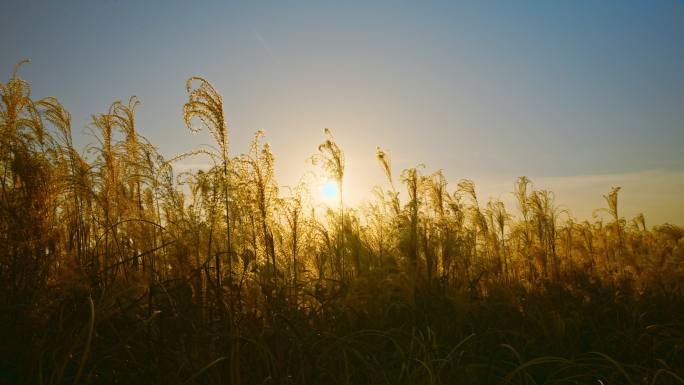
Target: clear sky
pixel 577 95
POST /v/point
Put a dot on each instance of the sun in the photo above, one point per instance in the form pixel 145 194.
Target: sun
pixel 330 191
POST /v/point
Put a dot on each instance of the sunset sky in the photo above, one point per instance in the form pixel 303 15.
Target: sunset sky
pixel 579 95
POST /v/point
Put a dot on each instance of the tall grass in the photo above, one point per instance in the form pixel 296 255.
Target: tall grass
pixel 115 270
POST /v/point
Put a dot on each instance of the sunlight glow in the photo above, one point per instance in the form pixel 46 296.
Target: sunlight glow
pixel 330 191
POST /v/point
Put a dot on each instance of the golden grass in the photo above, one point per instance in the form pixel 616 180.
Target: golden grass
pixel 114 270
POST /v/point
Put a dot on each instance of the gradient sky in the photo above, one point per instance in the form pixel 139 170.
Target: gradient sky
pixel 577 95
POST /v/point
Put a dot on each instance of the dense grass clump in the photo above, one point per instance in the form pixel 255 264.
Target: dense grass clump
pixel 113 270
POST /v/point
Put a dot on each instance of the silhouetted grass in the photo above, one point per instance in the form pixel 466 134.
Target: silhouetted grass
pixel 113 270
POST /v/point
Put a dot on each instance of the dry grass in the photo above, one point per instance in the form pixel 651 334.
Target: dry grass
pixel 113 270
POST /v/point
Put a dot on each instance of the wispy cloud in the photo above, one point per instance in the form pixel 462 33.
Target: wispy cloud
pixel 265 46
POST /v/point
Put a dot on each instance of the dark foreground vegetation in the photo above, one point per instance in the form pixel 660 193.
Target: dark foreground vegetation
pixel 115 271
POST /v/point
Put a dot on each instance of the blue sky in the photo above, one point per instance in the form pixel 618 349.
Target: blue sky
pixel 580 93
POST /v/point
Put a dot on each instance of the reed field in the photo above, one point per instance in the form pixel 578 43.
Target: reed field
pixel 116 268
